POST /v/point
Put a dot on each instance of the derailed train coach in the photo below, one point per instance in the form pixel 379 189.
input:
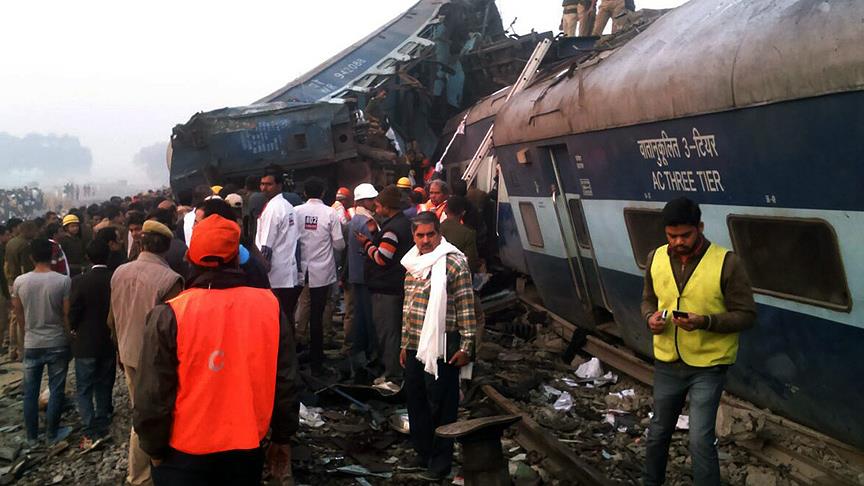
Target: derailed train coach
pixel 755 109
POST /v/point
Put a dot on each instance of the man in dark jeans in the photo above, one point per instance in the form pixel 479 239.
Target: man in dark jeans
pixel 385 278
pixel 95 358
pixel 41 302
pixel 696 300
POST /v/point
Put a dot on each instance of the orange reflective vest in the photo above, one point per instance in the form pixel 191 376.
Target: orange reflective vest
pixel 227 349
pixel 438 210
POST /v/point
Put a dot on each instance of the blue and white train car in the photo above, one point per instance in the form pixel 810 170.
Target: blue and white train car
pixel 753 108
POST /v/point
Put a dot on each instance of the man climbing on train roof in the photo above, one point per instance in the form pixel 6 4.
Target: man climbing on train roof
pixel 696 299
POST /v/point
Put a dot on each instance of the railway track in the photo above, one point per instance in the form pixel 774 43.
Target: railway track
pixel 561 461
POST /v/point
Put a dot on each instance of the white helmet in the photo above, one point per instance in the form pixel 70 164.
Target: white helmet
pixel 365 191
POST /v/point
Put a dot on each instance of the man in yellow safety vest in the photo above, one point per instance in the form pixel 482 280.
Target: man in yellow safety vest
pixel 697 298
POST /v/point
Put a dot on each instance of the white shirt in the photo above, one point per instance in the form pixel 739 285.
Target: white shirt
pixel 188 224
pixel 320 236
pixel 277 230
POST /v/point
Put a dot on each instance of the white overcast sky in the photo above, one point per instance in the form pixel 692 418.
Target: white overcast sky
pixel 119 75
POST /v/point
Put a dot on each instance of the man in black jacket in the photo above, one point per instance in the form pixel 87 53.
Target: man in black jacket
pixel 202 418
pixel 92 347
pixel 385 277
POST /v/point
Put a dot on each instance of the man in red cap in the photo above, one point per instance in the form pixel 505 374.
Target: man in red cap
pixel 344 206
pixel 218 373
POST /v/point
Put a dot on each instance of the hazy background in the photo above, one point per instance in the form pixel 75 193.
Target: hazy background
pixel 89 91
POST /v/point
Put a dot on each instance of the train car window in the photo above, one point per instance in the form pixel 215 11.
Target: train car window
pixel 579 223
pixel 531 223
pixel 792 258
pixel 645 227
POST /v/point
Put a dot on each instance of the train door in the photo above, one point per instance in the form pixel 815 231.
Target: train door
pixel 572 216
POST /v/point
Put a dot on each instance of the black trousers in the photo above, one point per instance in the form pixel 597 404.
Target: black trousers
pixel 288 298
pixel 234 468
pixel 317 303
pixel 431 403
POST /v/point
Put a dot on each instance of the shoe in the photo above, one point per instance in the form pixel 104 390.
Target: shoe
pixel 432 476
pixel 387 387
pixel 415 464
pixel 61 434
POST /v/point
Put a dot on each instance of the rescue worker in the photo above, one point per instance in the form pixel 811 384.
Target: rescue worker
pixel 320 237
pixel 609 9
pixel 438 328
pixel 361 334
pixel 707 288
pixel 385 279
pixel 137 287
pixel 581 12
pixel 439 191
pixel 343 205
pixel 276 239
pixel 73 244
pixel 219 372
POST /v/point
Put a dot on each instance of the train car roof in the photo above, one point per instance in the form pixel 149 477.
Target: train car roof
pixel 705 56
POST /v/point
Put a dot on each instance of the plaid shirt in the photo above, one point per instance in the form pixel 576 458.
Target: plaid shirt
pixel 460 305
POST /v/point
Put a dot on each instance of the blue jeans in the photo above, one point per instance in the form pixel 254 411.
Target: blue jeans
pixel 94 379
pixel 35 359
pixel 672 384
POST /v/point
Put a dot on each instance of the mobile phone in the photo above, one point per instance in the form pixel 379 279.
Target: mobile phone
pixel 679 314
pixel 664 314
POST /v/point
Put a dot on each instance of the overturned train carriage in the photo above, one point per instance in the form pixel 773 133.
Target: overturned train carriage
pixel 752 108
pixel 425 59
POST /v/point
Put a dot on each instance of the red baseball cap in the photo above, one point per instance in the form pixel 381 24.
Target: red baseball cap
pixel 343 193
pixel 215 241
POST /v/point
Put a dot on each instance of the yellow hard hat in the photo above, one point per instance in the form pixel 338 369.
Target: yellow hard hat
pixel 70 218
pixel 403 183
pixel 216 189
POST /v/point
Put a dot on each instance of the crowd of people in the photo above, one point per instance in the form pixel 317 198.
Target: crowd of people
pixel 21 202
pixel 229 290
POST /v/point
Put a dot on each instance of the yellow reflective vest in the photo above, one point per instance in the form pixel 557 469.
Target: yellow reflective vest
pixel 702 295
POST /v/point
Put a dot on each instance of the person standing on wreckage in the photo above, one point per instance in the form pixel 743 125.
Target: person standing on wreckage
pixel 697 298
pixel 438 329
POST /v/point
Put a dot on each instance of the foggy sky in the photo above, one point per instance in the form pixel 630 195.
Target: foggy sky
pixel 119 75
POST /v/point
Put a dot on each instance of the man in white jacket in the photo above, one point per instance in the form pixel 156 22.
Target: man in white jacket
pixel 320 236
pixel 276 238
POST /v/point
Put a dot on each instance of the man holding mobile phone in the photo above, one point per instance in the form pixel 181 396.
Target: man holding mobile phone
pixel 696 299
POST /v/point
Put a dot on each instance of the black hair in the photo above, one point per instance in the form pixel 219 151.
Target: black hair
pixel 186 196
pixel 681 211
pixel 93 210
pixel 155 243
pixel 220 207
pixel 275 173
pixel 456 205
pixel 134 217
pixel 251 183
pixel 164 216
pixel 426 217
pixel 111 211
pixel 39 222
pixel 107 234
pixel 13 223
pixel 98 251
pixel 41 250
pixel 51 230
pixel 314 187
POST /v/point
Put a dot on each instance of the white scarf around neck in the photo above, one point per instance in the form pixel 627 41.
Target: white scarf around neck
pixel 431 345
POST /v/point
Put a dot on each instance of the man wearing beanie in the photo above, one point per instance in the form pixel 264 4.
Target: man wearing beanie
pixel 696 299
pixel 385 277
pixel 219 372
pixel 136 288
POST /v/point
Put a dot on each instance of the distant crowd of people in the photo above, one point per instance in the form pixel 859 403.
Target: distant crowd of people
pixel 22 202
pixel 224 290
